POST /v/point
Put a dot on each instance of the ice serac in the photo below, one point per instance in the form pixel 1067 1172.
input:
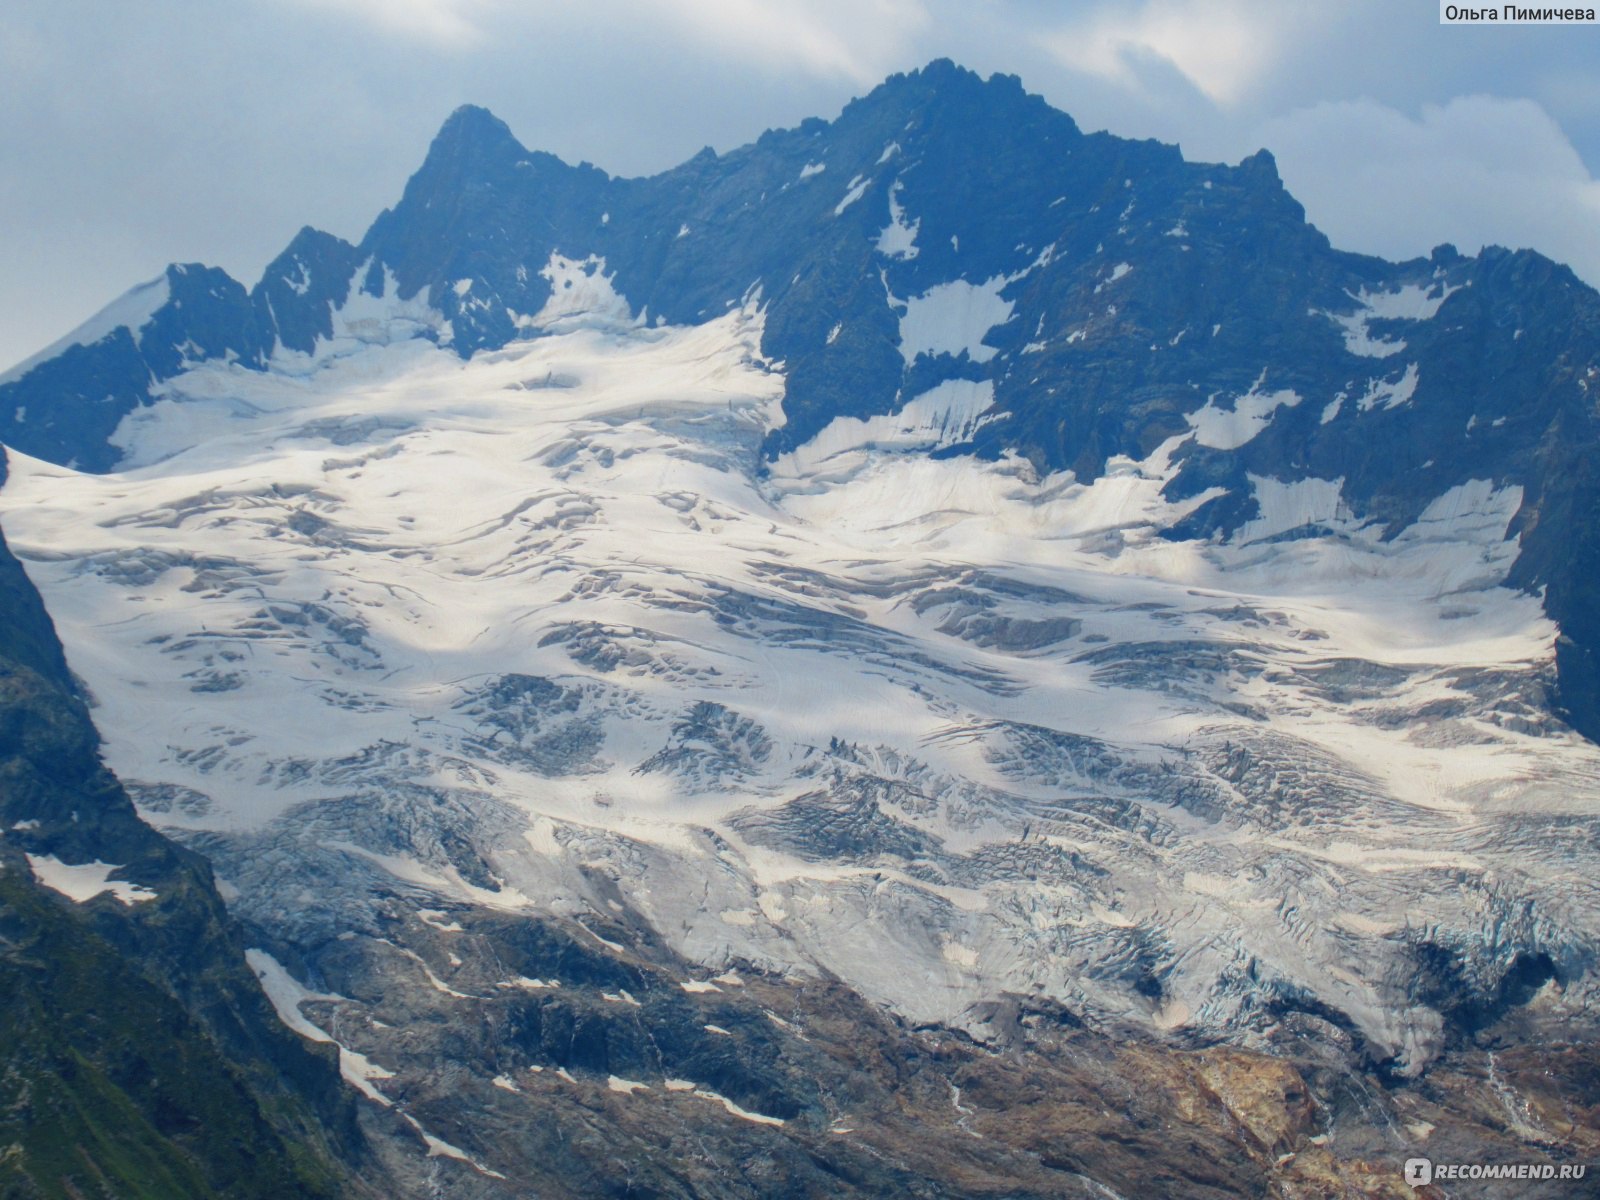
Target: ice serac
pixel 669 620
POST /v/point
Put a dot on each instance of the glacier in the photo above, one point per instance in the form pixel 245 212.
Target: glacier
pixel 541 633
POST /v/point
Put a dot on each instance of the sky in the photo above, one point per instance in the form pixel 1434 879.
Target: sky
pixel 133 135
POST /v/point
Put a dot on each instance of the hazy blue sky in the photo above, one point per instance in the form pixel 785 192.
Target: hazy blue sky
pixel 132 135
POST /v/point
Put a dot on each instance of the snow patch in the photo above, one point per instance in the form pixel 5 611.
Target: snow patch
pixel 947 415
pixel 362 321
pixel 1413 302
pixel 1117 272
pixel 1389 393
pixel 582 296
pixel 898 239
pixel 439 920
pixel 952 318
pixel 84 881
pixel 1228 429
pixel 439 1148
pixel 529 985
pixel 858 188
pixel 689 1087
pixel 744 1114
pixel 287 994
pixel 1301 504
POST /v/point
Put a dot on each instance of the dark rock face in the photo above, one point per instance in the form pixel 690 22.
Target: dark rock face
pixel 141 1057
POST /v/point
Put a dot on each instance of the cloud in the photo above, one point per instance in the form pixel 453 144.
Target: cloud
pixel 453 23
pixel 1473 171
pixel 1224 48
pixel 860 40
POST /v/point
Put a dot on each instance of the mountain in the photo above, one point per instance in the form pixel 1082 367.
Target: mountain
pixel 693 683
pixel 1021 221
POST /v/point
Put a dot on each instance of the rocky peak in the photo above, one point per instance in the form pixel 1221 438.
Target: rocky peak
pixel 471 133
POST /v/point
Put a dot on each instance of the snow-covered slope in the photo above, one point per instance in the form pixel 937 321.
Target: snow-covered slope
pixel 539 632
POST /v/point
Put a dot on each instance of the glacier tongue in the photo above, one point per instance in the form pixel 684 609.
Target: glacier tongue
pixel 538 632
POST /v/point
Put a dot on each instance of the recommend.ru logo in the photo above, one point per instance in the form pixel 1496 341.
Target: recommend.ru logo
pixel 1419 1172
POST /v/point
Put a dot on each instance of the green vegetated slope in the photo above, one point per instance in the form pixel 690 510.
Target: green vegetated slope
pixel 138 1056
